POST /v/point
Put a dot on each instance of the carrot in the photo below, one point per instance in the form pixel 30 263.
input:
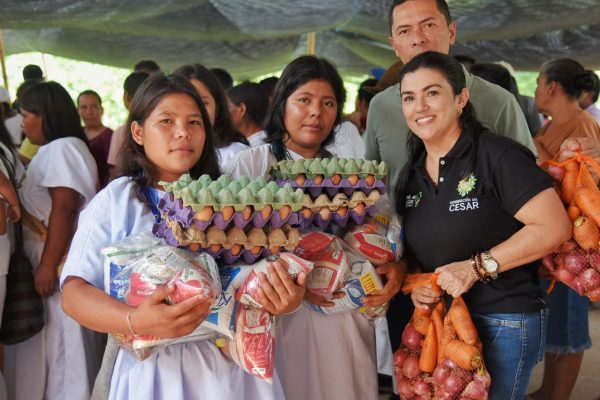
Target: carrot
pixel 448 335
pixel 573 212
pixel 569 181
pixel 462 322
pixel 421 323
pixel 584 178
pixel 465 356
pixel 428 359
pixel 586 233
pixel 439 308
pixel 588 199
pixel 438 324
pixel 413 281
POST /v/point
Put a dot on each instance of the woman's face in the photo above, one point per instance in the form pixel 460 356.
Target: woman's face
pixel 542 93
pixel 172 136
pixel 32 126
pixel 209 101
pixel 237 113
pixel 430 107
pixel 310 113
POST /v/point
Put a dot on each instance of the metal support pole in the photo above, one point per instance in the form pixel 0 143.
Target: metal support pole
pixel 310 43
pixel 2 56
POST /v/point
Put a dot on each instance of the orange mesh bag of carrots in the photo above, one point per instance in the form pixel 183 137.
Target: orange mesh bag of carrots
pixel 576 263
pixel 450 363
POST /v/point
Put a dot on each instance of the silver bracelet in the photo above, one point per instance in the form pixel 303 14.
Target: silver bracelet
pixel 129 323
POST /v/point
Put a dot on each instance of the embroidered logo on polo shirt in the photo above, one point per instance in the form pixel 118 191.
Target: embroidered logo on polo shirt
pixel 466 185
pixel 413 200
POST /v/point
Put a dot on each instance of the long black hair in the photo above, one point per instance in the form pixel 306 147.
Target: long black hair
pixel 223 131
pixel 297 73
pixel 453 71
pixel 52 103
pixel 132 160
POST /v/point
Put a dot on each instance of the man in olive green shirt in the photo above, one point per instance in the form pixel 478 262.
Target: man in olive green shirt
pixel 418 26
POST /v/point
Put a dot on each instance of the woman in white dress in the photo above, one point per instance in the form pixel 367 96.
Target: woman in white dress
pixel 226 139
pixel 248 103
pixel 168 133
pixel 317 356
pixel 60 181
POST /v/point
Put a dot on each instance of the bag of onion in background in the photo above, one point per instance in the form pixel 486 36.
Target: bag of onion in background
pixel 576 263
pixel 440 358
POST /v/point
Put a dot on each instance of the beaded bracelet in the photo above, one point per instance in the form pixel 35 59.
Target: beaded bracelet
pixel 476 264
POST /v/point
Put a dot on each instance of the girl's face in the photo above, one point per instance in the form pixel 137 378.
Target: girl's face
pixel 429 104
pixel 173 136
pixel 310 113
pixel 237 113
pixel 32 126
pixel 209 101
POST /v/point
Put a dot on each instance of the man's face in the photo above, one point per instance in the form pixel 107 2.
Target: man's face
pixel 418 26
pixel 90 110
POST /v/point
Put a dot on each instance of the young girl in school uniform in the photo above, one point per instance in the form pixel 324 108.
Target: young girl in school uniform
pixel 168 133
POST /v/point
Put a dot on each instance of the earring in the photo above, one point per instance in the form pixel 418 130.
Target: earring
pixel 459 111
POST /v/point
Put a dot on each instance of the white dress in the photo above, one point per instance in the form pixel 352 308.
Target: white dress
pixel 225 154
pixel 53 363
pixel 257 138
pixel 317 356
pixel 347 142
pixel 194 370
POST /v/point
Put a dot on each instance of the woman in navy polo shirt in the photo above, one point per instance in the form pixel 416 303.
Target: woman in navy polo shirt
pixel 478 211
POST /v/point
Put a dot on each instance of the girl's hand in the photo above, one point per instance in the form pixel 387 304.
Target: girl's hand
pixel 45 280
pixel 14 213
pixel 425 296
pixel 156 318
pixel 320 301
pixel 456 278
pixel 278 293
pixel 394 274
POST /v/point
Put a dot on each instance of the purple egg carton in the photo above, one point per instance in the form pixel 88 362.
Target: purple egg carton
pixel 337 219
pixel 331 189
pixel 175 210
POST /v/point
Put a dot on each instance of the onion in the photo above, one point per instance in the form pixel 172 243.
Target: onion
pixel 594 259
pixel 411 338
pixel 405 388
pixel 559 260
pixel 399 357
pixel 411 369
pixel 450 364
pixel 440 374
pixel 568 246
pixel 590 279
pixel 556 172
pixel 548 263
pixel 421 387
pixel 577 285
pixel 576 262
pixel 564 276
pixel 474 390
pixel 594 294
pixel 453 384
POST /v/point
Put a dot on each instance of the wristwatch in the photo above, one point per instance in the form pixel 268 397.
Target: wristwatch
pixel 490 265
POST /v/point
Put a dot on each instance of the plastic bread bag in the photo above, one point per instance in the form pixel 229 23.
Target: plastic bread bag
pixel 247 293
pixel 191 274
pixel 118 256
pixel 253 346
pixel 389 224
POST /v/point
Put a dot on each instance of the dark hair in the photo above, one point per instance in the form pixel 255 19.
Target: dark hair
pixel 595 85
pixel 452 70
pixel 224 77
pixel 297 73
pixel 22 88
pixel 269 84
pixel 89 92
pixel 32 72
pixel 465 60
pixel 254 96
pixel 442 7
pixel 133 82
pixel 132 157
pixel 53 104
pixel 569 74
pixel 496 74
pixel 223 132
pixel 364 94
pixel 6 140
pixel 148 66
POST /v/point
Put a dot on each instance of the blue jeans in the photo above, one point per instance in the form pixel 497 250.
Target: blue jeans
pixel 512 345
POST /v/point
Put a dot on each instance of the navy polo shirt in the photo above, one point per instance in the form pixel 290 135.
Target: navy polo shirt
pixel 466 215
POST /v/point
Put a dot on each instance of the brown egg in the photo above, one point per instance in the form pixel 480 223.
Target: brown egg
pixel 247 213
pixel 342 211
pixel 227 212
pixel 300 179
pixel 318 179
pixel 325 213
pixel 360 208
pixel 215 247
pixel 204 215
pixel 336 179
pixel 307 213
pixel 236 249
pixel 370 180
pixel 275 249
pixel 284 212
pixel 353 179
pixel 266 211
pixel 256 249
pixel 194 247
